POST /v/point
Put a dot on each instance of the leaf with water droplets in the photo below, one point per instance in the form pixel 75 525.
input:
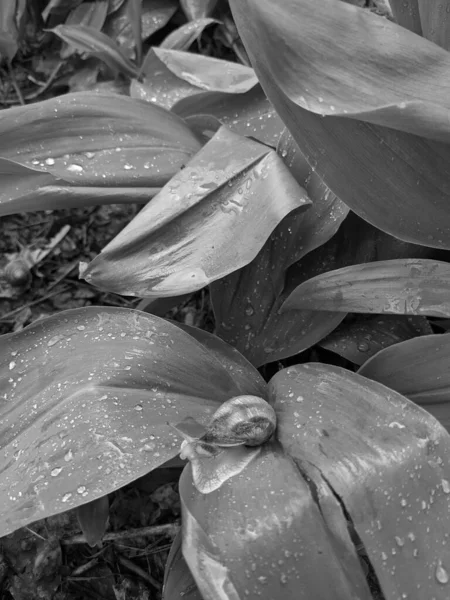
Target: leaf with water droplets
pixel 399 181
pixel 249 114
pixel 386 461
pixel 85 401
pixel 184 36
pixel 209 220
pixel 362 337
pixel 399 286
pixel 435 21
pixel 262 535
pixel 406 14
pixel 99 145
pixel 89 40
pixel 418 369
pixel 171 75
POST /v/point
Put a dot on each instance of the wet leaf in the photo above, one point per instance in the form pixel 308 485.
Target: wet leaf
pixel 360 339
pixel 435 21
pixel 398 180
pixel 249 114
pixel 95 43
pixel 155 15
pixel 406 13
pixel 207 73
pixel 209 220
pixel 255 553
pixel 178 581
pixel 246 303
pixel 184 36
pixel 93 519
pixel 94 141
pixel 403 286
pixel 92 14
pixel 198 9
pixel 418 369
pixel 85 401
pixel 384 458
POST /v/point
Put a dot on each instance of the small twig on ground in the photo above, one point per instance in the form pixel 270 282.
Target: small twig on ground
pixel 170 529
pixel 11 313
pixel 15 84
pixel 43 87
pixel 128 564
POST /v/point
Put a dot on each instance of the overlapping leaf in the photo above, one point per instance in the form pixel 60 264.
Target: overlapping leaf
pixel 170 75
pixel 384 458
pixel 246 303
pixel 184 36
pixel 87 39
pixel 398 180
pixel 419 369
pixel 363 337
pixel 85 401
pixel 209 220
pixel 411 287
pixel 101 148
pixel 248 114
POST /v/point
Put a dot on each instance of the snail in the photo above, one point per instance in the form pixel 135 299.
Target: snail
pixel 243 420
pixel 229 442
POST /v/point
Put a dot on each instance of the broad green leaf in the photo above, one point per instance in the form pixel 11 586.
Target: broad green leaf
pixel 205 72
pixel 209 220
pixel 249 114
pixel 253 537
pixel 91 41
pixel 418 369
pixel 363 337
pixel 435 21
pixel 398 180
pixel 85 401
pixel 184 36
pixel 123 147
pixel 406 13
pixel 198 9
pixel 246 303
pixel 401 286
pixel 26 189
pixel 171 75
pixel 385 460
pixel 404 92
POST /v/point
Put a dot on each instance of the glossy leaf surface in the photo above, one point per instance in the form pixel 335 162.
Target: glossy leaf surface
pixel 249 114
pixel 418 369
pixel 276 547
pixel 361 339
pixel 184 36
pixel 384 458
pixel 91 141
pixel 398 179
pixel 411 287
pixel 89 40
pixel 209 220
pixel 85 401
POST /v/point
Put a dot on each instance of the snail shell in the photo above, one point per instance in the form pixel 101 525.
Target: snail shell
pixel 243 420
